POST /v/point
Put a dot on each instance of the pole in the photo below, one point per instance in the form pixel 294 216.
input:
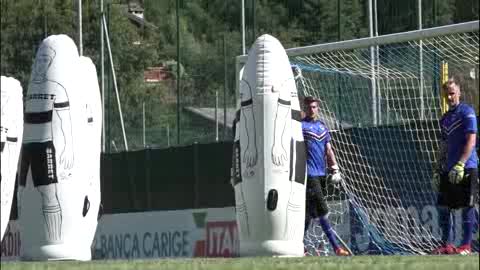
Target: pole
pixel 45 21
pixel 476 81
pixel 108 86
pixel 177 8
pixel 377 66
pixel 196 175
pixel 436 79
pixel 443 79
pixel 387 91
pixel 254 20
pixel 115 83
pixel 80 45
pixel 372 65
pixel 375 16
pixel 102 76
pixel 339 21
pixel 168 135
pixel 225 86
pixel 339 38
pixel 422 102
pixel 243 27
pixel 216 116
pixel 143 118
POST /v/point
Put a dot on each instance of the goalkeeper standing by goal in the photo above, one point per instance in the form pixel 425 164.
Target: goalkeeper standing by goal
pixel 319 153
pixel 458 169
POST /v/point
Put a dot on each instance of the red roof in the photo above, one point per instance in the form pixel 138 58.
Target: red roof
pixel 156 74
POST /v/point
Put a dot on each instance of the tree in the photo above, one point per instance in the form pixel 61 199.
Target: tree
pixel 203 26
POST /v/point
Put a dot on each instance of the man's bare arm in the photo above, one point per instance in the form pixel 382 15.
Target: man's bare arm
pixel 471 139
pixel 331 160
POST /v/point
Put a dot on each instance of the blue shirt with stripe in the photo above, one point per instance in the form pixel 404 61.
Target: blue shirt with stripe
pixel 316 136
pixel 455 125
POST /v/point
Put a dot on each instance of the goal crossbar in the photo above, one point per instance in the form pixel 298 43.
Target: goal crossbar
pixel 379 40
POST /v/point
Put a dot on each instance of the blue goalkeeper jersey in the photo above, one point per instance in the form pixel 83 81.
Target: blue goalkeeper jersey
pixel 316 136
pixel 455 125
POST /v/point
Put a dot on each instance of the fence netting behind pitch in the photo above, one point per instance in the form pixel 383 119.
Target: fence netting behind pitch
pixel 384 124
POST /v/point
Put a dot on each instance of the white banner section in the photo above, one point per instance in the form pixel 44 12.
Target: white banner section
pixel 183 233
pixel 210 232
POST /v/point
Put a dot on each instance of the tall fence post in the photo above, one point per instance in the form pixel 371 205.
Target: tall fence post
pixel 148 177
pixel 178 70
pixel 196 176
pixel 225 86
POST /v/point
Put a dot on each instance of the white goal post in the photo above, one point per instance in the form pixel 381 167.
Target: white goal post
pixel 383 113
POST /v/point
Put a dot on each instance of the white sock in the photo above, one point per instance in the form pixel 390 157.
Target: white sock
pixel 53 221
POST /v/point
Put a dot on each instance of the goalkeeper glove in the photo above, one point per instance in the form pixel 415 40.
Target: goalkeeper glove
pixel 455 175
pixel 335 175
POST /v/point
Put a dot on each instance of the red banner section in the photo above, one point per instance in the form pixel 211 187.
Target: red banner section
pixel 222 239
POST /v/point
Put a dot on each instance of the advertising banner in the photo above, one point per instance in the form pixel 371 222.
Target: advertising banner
pixel 158 234
pixel 182 233
pixel 11 242
pixel 210 232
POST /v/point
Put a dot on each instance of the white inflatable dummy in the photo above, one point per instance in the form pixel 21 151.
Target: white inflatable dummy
pixel 11 134
pixel 92 117
pixel 270 169
pixel 55 201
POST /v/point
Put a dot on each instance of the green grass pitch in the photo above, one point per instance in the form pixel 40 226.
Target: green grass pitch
pixel 264 263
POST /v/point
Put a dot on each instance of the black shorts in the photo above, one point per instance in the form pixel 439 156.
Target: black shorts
pixel 40 158
pixel 460 195
pixel 316 204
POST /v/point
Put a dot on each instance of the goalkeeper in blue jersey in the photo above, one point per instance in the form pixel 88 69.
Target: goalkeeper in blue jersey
pixel 457 170
pixel 319 153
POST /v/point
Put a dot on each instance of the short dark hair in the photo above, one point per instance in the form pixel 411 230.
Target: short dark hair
pixel 457 79
pixel 310 99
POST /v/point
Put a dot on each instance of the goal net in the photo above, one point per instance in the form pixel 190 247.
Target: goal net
pixel 381 99
pixel 382 102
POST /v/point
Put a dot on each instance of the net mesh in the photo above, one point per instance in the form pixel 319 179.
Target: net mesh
pixel 382 105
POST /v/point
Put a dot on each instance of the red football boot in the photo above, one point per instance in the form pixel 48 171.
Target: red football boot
pixel 464 249
pixel 447 249
pixel 342 252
